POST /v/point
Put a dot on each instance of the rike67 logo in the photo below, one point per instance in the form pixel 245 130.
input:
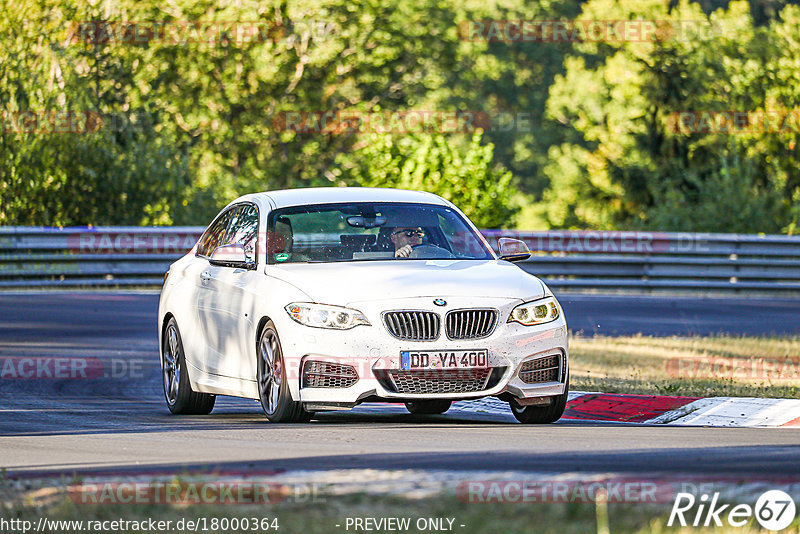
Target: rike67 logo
pixel 774 510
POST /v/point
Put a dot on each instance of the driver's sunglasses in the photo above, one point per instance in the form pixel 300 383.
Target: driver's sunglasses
pixel 410 233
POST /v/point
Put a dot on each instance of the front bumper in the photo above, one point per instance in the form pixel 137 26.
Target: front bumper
pixel 374 355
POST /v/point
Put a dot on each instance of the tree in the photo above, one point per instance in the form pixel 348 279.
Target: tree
pixel 73 151
pixel 636 163
pixel 434 163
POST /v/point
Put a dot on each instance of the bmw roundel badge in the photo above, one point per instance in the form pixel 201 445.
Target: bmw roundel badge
pixel 440 302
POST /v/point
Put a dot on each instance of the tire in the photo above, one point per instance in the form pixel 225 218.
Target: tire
pixel 180 397
pixel 539 415
pixel 428 407
pixel 273 387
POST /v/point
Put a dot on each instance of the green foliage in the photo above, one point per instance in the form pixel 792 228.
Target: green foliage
pixel 215 103
pixel 88 179
pixel 597 148
pixel 228 97
pixel 433 163
pixel 72 150
pixel 629 166
pixel 727 199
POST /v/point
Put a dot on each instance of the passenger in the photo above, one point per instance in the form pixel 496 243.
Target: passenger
pixel 284 242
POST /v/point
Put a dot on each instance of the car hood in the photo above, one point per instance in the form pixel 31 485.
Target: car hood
pixel 351 282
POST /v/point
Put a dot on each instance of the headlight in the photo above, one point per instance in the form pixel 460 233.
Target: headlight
pixel 537 312
pixel 325 316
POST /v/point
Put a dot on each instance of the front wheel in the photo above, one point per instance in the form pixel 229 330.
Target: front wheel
pixel 428 407
pixel 538 415
pixel 181 399
pixel 273 388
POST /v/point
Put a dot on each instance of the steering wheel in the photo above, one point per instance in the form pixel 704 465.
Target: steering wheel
pixel 429 252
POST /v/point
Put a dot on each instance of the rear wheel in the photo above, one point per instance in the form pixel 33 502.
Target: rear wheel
pixel 537 415
pixel 428 407
pixel 273 387
pixel 181 399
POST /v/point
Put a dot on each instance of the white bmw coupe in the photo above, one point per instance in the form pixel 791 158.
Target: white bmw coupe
pixel 321 299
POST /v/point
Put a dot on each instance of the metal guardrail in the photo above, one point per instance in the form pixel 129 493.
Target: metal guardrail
pixel 98 256
pixel 139 256
pixel 655 261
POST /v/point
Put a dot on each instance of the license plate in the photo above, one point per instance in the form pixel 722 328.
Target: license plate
pixel 444 359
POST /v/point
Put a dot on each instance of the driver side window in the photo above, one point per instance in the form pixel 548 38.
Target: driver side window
pixel 214 234
pixel 243 230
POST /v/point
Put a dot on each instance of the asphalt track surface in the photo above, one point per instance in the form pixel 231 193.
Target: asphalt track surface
pixel 119 423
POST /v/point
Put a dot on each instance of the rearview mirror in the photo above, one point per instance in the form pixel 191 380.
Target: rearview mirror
pixel 513 249
pixel 233 255
pixel 359 221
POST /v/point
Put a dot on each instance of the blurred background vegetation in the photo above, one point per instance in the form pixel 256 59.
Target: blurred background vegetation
pixel 189 126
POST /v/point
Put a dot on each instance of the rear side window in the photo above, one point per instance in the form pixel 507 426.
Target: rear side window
pixel 214 234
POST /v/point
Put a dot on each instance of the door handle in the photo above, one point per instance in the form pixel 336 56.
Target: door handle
pixel 205 276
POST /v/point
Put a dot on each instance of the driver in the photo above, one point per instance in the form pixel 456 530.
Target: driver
pixel 405 239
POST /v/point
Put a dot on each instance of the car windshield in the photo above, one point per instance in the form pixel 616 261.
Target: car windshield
pixel 366 231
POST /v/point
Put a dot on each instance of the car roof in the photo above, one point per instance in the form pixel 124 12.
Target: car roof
pixel 328 195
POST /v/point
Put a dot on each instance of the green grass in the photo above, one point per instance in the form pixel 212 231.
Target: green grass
pixel 691 366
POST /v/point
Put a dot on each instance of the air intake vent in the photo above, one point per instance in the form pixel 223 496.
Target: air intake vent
pixel 412 325
pixel 470 324
pixel 547 369
pixel 328 375
pixel 449 381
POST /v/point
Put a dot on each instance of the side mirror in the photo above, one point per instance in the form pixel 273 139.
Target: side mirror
pixel 513 249
pixel 232 255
